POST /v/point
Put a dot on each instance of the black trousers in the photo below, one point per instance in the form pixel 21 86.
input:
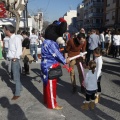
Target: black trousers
pixel 90 95
pixel 99 84
pixel 88 56
pixel 26 67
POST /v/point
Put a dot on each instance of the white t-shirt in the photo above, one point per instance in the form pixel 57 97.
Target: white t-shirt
pixel 108 38
pixel 116 40
pixel 99 63
pixel 33 39
pixel 6 41
pixel 91 81
pixel 20 36
pixel 102 38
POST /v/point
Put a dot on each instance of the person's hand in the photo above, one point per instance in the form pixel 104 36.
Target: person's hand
pixel 83 57
pixel 67 60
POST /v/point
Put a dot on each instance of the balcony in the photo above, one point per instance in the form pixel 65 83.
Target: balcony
pixel 95 15
pixel 96 4
pixel 96 25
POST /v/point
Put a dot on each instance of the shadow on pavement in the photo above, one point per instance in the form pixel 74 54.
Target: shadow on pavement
pixel 28 84
pixel 76 100
pixel 109 96
pixel 117 82
pixel 110 69
pixel 14 111
pixel 110 104
pixel 6 78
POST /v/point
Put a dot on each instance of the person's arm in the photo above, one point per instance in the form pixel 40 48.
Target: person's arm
pixel 86 80
pixel 54 51
pixel 99 67
pixel 90 39
pixel 84 46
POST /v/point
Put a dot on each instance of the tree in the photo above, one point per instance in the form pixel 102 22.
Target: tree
pixel 16 7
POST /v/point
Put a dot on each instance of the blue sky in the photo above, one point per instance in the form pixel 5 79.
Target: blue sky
pixel 52 9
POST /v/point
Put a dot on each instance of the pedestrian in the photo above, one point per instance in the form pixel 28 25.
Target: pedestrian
pixel 51 57
pixel 14 53
pixel 93 43
pixel 73 48
pixel 5 46
pixel 116 44
pixel 90 84
pixel 102 40
pixel 33 45
pixel 26 52
pixel 108 42
pixel 99 62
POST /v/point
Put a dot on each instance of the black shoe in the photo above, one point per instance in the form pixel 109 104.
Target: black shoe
pixel 74 90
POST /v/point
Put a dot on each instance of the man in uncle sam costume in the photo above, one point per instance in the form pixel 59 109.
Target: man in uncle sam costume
pixel 51 58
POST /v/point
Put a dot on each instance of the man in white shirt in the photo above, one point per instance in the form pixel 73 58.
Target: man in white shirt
pixel 102 40
pixel 14 53
pixel 33 44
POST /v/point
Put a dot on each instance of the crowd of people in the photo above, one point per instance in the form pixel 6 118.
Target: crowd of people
pixel 22 49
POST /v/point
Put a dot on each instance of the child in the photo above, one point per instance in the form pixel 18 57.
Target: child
pixel 91 86
pixel 98 59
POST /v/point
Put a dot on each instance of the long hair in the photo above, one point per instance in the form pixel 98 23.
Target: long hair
pixel 92 66
pixel 98 50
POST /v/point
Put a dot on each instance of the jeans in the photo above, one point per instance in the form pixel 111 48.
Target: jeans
pixel 102 45
pixel 88 56
pixel 33 47
pixel 16 76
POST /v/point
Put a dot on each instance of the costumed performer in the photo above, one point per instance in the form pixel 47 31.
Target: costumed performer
pixel 51 58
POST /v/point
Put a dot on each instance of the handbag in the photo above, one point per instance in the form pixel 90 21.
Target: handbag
pixel 55 72
pixel 28 56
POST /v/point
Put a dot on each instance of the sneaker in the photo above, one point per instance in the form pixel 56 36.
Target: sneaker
pixel 58 108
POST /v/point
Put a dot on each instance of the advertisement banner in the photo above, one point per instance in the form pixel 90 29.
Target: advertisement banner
pixel 2 10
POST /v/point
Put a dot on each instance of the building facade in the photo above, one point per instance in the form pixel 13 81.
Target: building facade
pixel 112 14
pixel 70 17
pixel 93 14
pixel 80 16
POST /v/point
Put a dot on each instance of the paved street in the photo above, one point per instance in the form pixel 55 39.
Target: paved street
pixel 30 105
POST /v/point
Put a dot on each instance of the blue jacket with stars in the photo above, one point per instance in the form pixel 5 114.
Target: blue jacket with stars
pixel 50 55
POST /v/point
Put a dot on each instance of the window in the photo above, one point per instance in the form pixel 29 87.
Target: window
pixel 107 3
pixel 114 1
pixel 97 21
pixel 98 0
pixel 113 15
pixel 98 10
